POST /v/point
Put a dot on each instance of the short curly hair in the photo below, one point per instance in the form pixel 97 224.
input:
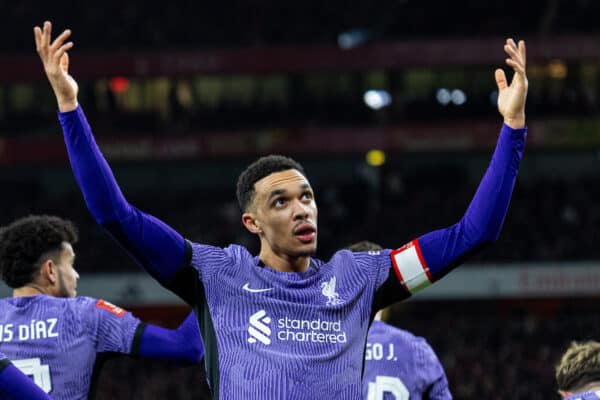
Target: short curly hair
pixel 25 241
pixel 579 366
pixel 260 168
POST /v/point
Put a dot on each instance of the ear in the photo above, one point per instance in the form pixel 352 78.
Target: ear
pixel 49 272
pixel 250 222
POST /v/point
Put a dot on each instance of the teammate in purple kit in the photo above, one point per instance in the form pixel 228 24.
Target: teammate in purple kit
pixel 14 385
pixel 53 336
pixel 398 364
pixel 578 372
pixel 283 324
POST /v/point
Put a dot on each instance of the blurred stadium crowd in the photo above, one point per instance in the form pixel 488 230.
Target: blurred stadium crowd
pixel 550 219
pixel 186 24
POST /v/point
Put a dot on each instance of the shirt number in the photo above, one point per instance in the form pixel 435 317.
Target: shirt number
pixel 390 385
pixel 34 368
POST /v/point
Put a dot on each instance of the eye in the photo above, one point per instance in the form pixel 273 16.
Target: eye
pixel 307 196
pixel 279 202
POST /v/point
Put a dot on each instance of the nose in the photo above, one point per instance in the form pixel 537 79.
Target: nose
pixel 301 210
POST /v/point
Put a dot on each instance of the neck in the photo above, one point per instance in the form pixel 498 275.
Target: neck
pixel 29 290
pixel 284 264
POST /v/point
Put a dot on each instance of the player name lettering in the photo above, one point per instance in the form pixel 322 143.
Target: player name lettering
pixel 378 351
pixel 35 330
pixel 315 331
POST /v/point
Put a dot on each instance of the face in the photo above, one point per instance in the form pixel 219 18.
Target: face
pixel 67 276
pixel 284 214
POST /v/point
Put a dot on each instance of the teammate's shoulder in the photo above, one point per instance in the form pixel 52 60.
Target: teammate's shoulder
pixel 401 336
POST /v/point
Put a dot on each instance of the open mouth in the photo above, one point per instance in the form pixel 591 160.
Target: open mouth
pixel 305 232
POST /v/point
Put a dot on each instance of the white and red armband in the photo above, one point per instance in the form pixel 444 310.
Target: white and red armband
pixel 411 268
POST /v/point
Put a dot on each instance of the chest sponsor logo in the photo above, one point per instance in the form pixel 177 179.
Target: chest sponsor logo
pixel 259 328
pixel 288 329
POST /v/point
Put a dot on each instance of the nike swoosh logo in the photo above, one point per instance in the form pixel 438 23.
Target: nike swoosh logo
pixel 247 288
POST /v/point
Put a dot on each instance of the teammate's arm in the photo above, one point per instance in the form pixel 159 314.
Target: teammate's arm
pixel 14 385
pixel 157 247
pixel 434 254
pixel 116 330
pixel 438 382
pixel 182 345
pixel 439 390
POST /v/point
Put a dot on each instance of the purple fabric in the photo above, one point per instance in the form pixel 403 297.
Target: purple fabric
pixel 57 339
pixel 444 249
pixel 157 247
pixel 182 345
pixel 400 365
pixel 14 385
pixel 585 396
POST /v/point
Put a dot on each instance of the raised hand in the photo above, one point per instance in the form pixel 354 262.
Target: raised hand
pixel 56 64
pixel 511 98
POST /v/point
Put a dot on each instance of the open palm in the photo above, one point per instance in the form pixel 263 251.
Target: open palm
pixel 56 64
pixel 511 98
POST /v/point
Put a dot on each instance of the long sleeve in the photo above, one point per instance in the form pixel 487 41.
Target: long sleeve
pixel 157 247
pixel 431 256
pixel 481 224
pixel 182 345
pixel 14 385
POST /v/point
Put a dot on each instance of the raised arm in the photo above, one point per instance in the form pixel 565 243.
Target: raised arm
pixel 483 220
pixel 157 247
pixel 182 345
pixel 434 254
pixel 14 385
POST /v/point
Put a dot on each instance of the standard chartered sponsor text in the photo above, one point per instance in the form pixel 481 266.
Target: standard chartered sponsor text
pixel 315 331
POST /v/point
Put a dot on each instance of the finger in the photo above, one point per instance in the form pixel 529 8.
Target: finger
pixel 37 34
pixel 60 39
pixel 500 79
pixel 64 62
pixel 62 50
pixel 523 51
pixel 512 51
pixel 516 66
pixel 511 43
pixel 515 62
pixel 47 33
pixel 511 46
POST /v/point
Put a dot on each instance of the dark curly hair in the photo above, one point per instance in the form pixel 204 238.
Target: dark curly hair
pixel 260 168
pixel 25 241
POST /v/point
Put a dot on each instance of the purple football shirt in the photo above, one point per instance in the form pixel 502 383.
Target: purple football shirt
pixel 401 366
pixel 288 335
pixel 55 340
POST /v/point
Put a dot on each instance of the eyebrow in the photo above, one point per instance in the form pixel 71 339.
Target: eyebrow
pixel 278 192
